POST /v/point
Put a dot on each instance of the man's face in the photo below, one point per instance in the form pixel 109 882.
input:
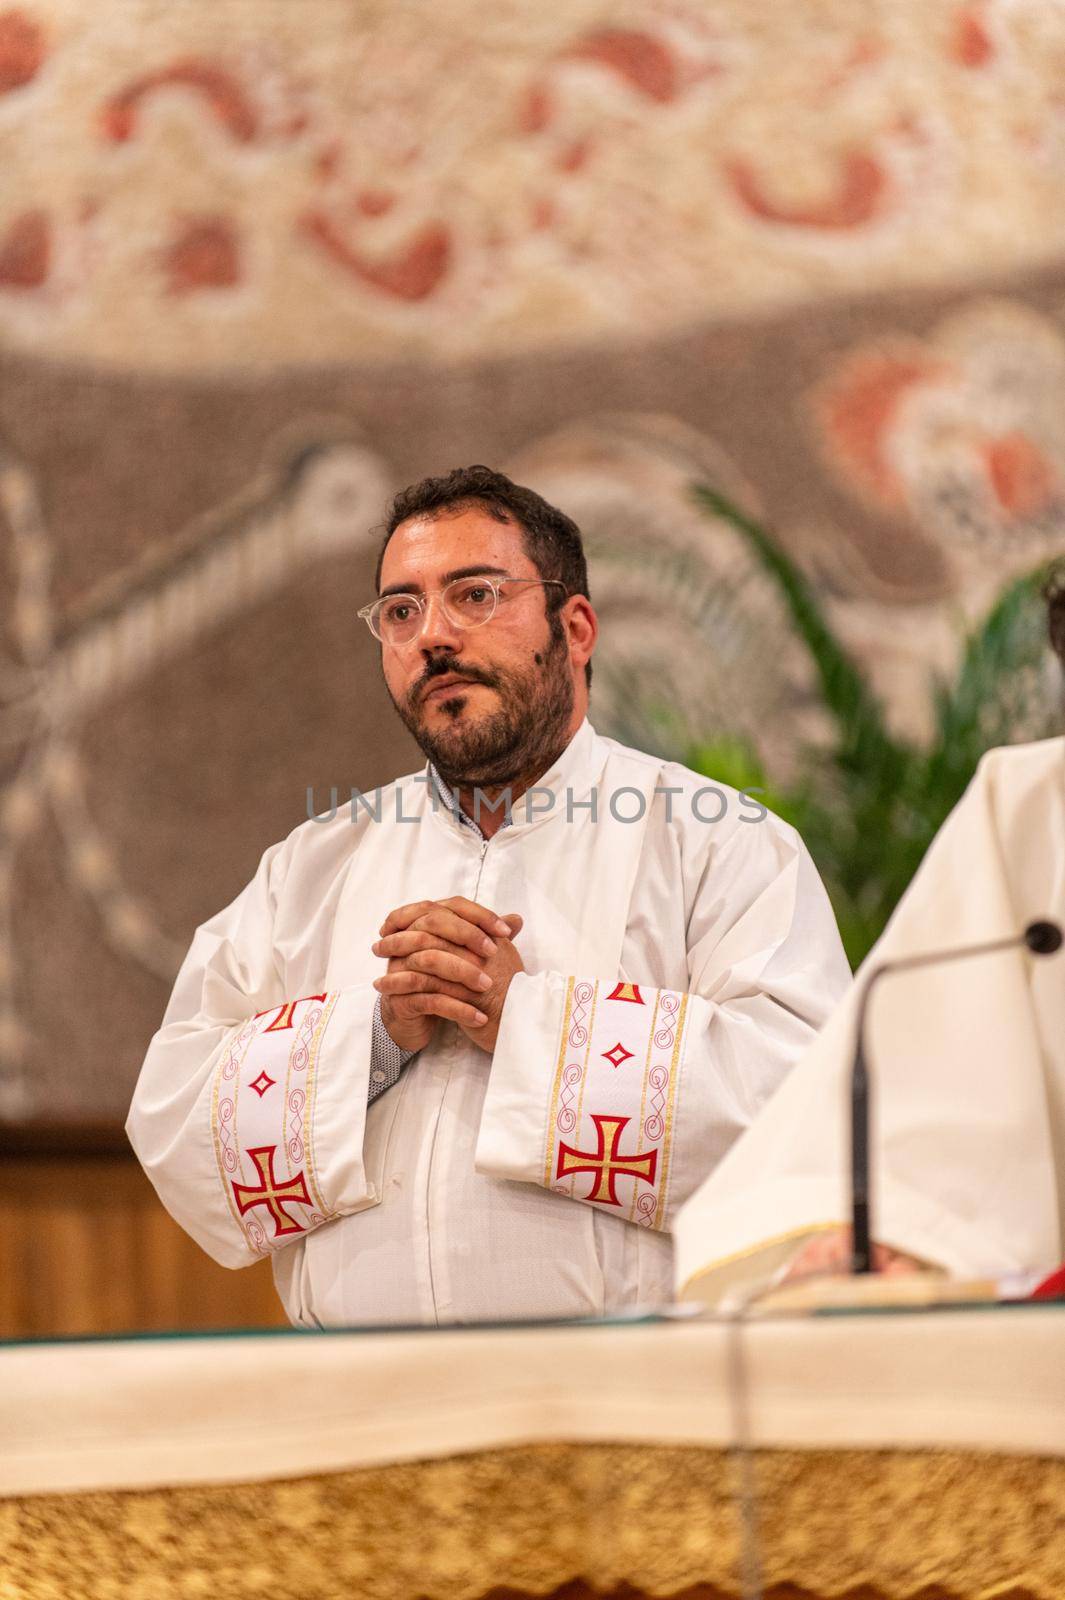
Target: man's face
pixel 511 710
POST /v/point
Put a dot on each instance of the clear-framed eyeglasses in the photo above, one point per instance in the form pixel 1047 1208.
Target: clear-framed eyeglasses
pixel 396 619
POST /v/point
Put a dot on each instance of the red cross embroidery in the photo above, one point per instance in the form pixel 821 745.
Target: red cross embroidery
pixel 271 1194
pixel 285 1013
pixel 607 1163
pixel 627 991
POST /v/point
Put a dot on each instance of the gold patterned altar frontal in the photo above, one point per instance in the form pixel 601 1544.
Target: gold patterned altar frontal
pixel 657 1518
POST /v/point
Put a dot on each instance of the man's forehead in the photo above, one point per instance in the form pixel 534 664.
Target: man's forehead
pixel 424 548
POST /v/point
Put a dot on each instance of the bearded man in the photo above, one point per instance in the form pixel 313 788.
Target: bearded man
pixel 460 1050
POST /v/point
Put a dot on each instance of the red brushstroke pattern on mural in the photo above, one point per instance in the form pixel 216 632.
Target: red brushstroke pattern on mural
pixel 225 98
pixel 646 65
pixel 639 59
pixel 971 44
pixel 22 50
pixel 1022 479
pixel 26 251
pixel 413 272
pixel 858 197
pixel 861 406
pixel 204 254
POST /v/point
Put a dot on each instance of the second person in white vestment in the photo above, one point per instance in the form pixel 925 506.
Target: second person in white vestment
pixel 967 1064
pixel 669 953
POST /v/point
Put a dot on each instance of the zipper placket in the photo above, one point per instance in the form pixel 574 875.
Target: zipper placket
pixel 480 866
pixel 436 1127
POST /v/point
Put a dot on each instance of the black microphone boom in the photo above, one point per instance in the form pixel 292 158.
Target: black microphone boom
pixel 1042 938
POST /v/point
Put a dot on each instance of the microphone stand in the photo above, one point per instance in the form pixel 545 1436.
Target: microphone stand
pixel 1042 938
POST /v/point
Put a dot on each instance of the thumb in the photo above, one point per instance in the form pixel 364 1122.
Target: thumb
pixel 514 919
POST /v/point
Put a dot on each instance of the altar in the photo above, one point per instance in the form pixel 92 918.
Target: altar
pixel 897 1452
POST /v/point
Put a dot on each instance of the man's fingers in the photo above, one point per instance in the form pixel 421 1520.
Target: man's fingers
pixel 481 915
pixel 458 919
pixel 825 1252
pixel 439 964
pixel 832 1252
pixel 404 982
pixel 442 1005
pixel 436 999
pixel 398 946
pixel 447 924
pixel 894 1263
pixel 403 916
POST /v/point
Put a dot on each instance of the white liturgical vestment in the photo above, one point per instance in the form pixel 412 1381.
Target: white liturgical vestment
pixel 679 951
pixel 966 1063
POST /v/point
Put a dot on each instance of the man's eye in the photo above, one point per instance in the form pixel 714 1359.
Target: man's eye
pixel 399 611
pixel 473 595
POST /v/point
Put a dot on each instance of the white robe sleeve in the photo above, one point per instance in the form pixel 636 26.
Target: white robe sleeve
pixel 249 1111
pixel 624 1095
pixel 962 1161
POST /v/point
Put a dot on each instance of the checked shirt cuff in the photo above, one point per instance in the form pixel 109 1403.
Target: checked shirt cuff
pixel 387 1059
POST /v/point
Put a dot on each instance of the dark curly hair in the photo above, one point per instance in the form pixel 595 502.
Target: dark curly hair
pixel 552 540
pixel 1054 594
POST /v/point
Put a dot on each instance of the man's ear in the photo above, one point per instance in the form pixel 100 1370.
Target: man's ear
pixel 582 624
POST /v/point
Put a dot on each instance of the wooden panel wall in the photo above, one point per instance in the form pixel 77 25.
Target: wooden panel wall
pixel 86 1247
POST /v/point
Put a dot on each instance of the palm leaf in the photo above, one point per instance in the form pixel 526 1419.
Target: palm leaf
pixel 1000 693
pixel 869 805
pixel 863 741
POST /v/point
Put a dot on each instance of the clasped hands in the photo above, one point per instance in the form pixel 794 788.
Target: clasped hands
pixel 831 1252
pixel 446 958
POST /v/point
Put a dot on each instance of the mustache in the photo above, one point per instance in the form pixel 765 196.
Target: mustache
pixel 444 670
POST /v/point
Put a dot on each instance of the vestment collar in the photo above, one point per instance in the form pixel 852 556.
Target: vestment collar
pixel 553 795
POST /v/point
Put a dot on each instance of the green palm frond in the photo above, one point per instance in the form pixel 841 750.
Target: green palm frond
pixel 864 740
pixel 867 802
pixel 869 805
pixel 703 600
pixel 718 644
pixel 1000 692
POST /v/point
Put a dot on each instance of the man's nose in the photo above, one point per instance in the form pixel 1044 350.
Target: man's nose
pixel 437 628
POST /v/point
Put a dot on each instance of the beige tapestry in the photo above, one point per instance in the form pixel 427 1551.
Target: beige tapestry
pixel 262 264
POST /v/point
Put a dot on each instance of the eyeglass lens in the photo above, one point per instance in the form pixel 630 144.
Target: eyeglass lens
pixel 467 602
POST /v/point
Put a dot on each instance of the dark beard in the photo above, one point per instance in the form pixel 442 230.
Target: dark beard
pixel 515 744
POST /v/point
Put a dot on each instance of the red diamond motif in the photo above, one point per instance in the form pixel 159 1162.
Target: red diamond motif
pixel 262 1083
pixel 617 1055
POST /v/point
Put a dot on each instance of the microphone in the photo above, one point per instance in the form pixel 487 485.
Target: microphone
pixel 1042 938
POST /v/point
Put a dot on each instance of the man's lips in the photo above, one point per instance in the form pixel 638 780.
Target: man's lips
pixel 447 686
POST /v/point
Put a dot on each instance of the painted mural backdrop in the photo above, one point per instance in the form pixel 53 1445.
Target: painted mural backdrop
pixel 261 265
